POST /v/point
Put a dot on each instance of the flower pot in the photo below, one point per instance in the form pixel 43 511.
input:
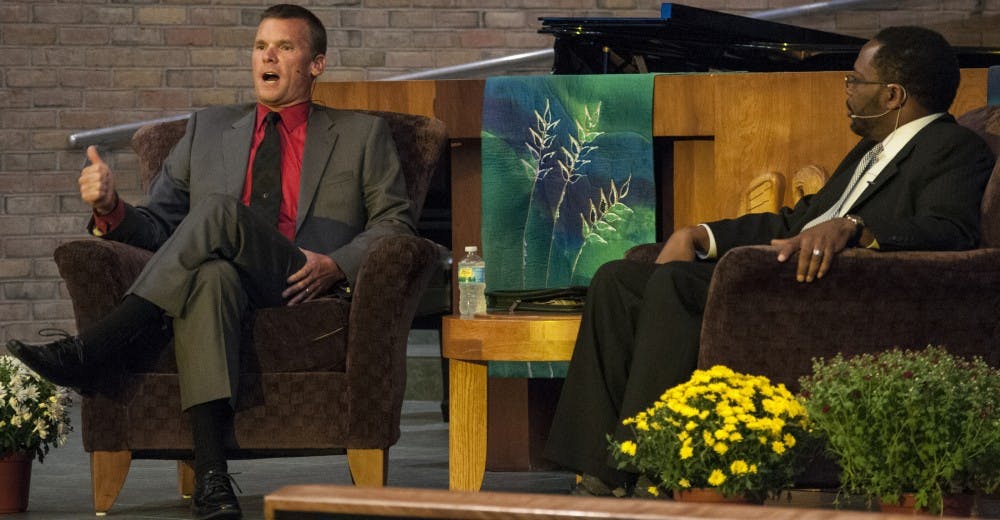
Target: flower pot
pixel 708 495
pixel 954 505
pixel 15 480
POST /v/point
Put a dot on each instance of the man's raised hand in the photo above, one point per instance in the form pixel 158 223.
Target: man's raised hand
pixel 97 184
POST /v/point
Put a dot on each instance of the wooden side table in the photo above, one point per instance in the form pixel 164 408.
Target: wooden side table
pixel 469 344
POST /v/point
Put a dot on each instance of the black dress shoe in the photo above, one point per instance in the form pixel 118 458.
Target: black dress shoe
pixel 62 362
pixel 214 497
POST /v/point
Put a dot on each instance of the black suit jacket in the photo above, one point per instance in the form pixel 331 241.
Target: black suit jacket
pixel 927 198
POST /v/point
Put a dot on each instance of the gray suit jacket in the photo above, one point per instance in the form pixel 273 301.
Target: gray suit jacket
pixel 351 190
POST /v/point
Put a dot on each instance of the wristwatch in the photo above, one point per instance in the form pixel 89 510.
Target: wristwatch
pixel 859 228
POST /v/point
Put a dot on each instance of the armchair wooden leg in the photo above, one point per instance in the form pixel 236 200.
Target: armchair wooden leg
pixel 108 470
pixel 368 467
pixel 185 478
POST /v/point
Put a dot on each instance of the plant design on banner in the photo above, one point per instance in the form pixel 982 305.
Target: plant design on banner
pixel 567 176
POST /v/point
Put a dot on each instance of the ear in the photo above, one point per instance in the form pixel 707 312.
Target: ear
pixel 317 65
pixel 897 96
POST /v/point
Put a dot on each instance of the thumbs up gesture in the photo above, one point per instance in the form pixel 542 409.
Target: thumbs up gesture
pixel 97 184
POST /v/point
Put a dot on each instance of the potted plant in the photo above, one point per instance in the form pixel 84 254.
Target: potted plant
pixel 733 433
pixel 903 421
pixel 34 416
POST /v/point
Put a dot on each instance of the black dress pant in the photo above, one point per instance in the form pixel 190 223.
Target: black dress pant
pixel 638 336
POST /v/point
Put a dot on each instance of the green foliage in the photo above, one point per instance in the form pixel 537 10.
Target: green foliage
pixel 736 433
pixel 34 414
pixel 905 421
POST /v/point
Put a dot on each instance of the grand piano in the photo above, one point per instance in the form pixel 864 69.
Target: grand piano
pixel 689 39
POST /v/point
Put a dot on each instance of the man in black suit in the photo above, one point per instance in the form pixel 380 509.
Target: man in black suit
pixel 258 205
pixel 914 182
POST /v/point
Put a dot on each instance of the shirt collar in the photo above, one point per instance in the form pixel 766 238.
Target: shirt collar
pixel 895 141
pixel 291 117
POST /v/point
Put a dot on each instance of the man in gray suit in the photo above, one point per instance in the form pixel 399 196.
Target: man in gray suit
pixel 260 205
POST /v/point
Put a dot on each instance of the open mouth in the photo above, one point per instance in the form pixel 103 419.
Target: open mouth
pixel 270 77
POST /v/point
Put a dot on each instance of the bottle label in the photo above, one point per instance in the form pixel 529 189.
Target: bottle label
pixel 471 275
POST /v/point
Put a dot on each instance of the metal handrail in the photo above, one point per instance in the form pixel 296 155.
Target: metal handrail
pixel 463 70
pixel 115 136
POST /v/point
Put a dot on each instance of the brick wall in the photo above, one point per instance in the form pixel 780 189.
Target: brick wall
pixel 67 66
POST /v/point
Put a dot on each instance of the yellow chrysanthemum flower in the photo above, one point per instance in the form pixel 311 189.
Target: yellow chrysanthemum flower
pixel 716 478
pixel 778 447
pixel 789 440
pixel 721 435
pixel 720 448
pixel 690 425
pixel 686 452
pixel 628 448
pixel 653 490
pixel 739 467
pixel 684 483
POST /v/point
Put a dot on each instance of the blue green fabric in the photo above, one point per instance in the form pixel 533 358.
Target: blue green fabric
pixel 568 184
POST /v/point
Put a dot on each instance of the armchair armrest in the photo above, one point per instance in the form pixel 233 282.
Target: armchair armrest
pixel 97 274
pixel 388 289
pixel 758 319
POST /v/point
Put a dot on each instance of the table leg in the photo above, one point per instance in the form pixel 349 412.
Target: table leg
pixel 467 425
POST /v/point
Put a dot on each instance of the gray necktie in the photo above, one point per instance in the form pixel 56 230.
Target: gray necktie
pixel 866 162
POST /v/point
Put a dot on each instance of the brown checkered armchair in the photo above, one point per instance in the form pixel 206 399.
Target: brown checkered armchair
pixel 301 391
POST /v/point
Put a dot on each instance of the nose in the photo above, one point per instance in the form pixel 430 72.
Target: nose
pixel 268 55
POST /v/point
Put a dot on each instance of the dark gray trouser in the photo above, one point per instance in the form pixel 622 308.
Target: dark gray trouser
pixel 220 262
pixel 638 336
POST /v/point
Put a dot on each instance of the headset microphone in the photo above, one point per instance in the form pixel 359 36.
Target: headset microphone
pixel 855 116
pixel 905 96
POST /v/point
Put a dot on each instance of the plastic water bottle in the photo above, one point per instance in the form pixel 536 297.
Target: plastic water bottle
pixel 471 283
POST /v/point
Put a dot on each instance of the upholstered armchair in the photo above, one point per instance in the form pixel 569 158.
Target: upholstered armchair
pixel 301 391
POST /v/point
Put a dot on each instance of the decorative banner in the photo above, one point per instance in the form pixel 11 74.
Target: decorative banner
pixel 567 176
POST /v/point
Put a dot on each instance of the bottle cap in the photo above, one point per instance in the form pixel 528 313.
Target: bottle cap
pixel 471 249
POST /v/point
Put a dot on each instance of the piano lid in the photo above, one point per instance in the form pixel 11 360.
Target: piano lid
pixel 689 39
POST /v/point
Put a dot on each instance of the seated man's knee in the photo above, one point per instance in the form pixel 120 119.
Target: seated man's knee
pixel 217 273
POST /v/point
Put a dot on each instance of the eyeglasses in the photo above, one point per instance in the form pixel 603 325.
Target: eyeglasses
pixel 851 82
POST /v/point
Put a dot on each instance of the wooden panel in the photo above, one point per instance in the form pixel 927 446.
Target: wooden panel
pixel 694 166
pixel 684 105
pixel 354 502
pixel 459 103
pixel 410 97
